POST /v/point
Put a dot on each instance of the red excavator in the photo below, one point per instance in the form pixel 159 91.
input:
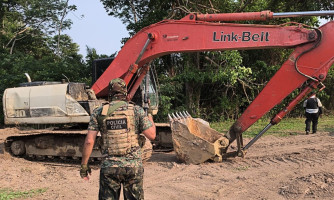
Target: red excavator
pixel 305 69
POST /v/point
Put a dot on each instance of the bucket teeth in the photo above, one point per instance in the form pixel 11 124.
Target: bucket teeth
pixel 170 118
pixel 185 114
pixel 178 116
pixel 182 116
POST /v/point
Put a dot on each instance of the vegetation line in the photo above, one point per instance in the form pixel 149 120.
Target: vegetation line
pixel 288 126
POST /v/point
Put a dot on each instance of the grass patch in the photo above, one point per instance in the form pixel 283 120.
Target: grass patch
pixel 287 127
pixel 242 168
pixel 26 170
pixel 7 193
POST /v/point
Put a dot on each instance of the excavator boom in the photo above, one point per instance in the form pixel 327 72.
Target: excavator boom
pixel 173 36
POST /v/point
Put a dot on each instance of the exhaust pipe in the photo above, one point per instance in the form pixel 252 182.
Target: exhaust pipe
pixel 28 77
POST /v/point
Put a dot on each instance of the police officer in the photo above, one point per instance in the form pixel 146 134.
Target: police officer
pixel 120 123
pixel 313 108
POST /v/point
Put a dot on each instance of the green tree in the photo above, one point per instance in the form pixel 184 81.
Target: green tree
pixel 33 18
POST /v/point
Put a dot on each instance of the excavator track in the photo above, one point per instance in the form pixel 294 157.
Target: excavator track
pixel 62 145
pixel 48 144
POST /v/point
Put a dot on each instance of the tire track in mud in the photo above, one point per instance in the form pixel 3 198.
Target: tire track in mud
pixel 177 178
pixel 174 171
pixel 281 151
pixel 283 142
pixel 292 159
pixel 189 180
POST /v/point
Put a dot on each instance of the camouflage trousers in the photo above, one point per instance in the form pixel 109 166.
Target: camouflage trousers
pixel 112 178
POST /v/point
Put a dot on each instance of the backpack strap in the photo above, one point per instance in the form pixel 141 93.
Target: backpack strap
pixel 115 107
pixel 107 110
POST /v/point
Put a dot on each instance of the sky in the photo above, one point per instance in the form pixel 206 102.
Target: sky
pixel 95 29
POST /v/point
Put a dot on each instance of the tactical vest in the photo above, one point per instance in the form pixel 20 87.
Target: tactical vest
pixel 118 131
pixel 312 103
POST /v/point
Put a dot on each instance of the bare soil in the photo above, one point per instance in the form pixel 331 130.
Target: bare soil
pixel 294 167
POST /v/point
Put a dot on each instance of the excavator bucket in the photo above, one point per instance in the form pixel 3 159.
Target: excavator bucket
pixel 194 141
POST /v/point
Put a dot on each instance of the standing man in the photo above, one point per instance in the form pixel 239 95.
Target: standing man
pixel 313 109
pixel 120 123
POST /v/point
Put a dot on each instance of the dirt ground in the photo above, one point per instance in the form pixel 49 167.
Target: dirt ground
pixel 294 167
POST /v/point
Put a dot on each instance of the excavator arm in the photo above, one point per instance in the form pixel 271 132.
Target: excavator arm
pixel 173 36
pixel 309 62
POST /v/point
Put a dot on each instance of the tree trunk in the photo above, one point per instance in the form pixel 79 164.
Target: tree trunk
pixel 193 93
pixel 61 27
pixel 193 89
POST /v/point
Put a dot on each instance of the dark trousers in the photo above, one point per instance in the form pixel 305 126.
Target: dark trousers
pixel 112 178
pixel 311 117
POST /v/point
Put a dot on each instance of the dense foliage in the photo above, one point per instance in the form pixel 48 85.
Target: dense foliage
pixel 213 85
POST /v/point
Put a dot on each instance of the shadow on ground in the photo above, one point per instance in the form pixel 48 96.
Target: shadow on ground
pixel 163 157
pixel 2 148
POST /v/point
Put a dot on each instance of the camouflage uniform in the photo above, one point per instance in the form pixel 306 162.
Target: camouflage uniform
pixel 127 170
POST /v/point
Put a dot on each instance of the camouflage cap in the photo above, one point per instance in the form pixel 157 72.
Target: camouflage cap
pixel 117 87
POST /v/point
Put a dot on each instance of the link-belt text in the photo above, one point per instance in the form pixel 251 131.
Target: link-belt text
pixel 245 36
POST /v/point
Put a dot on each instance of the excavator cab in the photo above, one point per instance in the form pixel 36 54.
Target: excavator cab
pixel 147 89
